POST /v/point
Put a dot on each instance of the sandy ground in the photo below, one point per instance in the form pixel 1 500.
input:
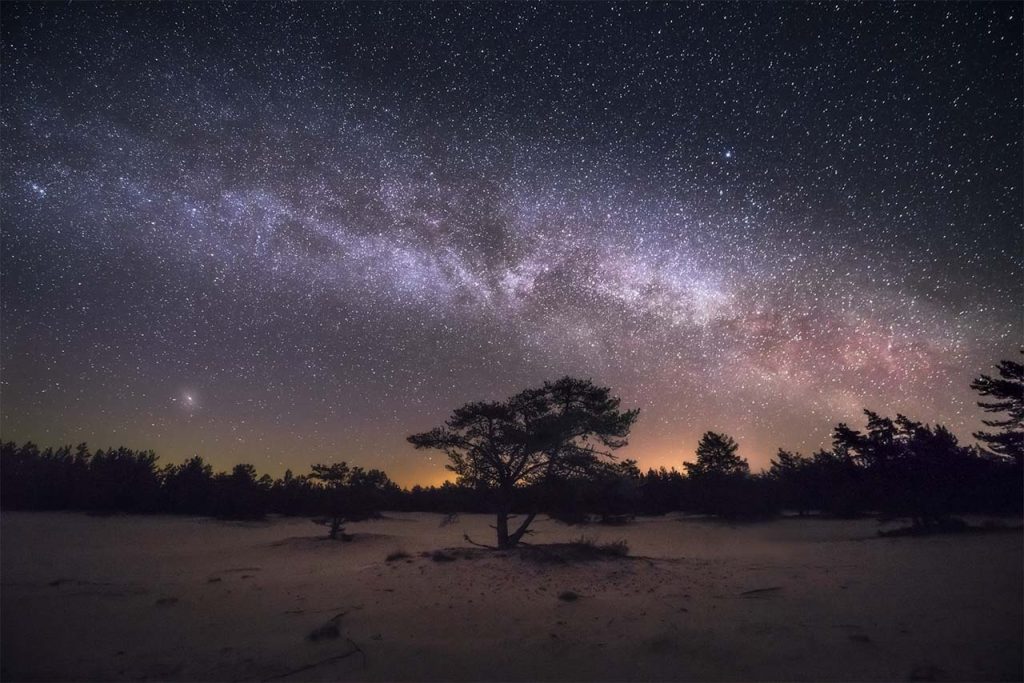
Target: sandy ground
pixel 196 599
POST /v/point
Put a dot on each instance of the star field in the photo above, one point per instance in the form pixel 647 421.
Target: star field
pixel 287 233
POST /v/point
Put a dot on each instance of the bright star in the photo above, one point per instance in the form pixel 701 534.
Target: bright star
pixel 187 400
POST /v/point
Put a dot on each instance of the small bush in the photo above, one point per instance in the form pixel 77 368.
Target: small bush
pixel 618 548
pixel 441 556
pixel 397 555
pixel 584 542
pixel 568 596
pixel 947 525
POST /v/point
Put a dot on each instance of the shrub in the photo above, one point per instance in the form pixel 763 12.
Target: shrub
pixel 442 556
pixel 588 545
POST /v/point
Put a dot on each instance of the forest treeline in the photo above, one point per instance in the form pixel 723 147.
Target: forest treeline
pixel 893 467
pixel 899 469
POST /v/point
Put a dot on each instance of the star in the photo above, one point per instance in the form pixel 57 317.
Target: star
pixel 354 226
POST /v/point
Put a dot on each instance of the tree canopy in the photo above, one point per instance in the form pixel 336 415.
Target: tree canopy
pixel 717 456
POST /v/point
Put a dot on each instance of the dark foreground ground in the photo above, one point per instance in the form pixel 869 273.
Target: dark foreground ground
pixel 193 599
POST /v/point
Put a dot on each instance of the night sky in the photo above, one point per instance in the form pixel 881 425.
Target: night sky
pixel 282 234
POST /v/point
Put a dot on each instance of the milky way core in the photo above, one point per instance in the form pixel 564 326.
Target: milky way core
pixel 289 233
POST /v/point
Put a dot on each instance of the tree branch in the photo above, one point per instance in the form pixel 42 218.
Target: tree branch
pixel 479 545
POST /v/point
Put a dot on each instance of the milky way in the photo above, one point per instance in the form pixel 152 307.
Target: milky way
pixel 293 233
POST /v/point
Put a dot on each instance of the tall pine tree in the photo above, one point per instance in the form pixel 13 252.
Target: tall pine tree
pixel 1007 394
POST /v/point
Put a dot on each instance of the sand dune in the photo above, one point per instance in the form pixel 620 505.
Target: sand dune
pixel 197 599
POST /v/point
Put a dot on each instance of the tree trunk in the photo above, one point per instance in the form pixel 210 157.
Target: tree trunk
pixel 335 527
pixel 502 527
pixel 504 501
